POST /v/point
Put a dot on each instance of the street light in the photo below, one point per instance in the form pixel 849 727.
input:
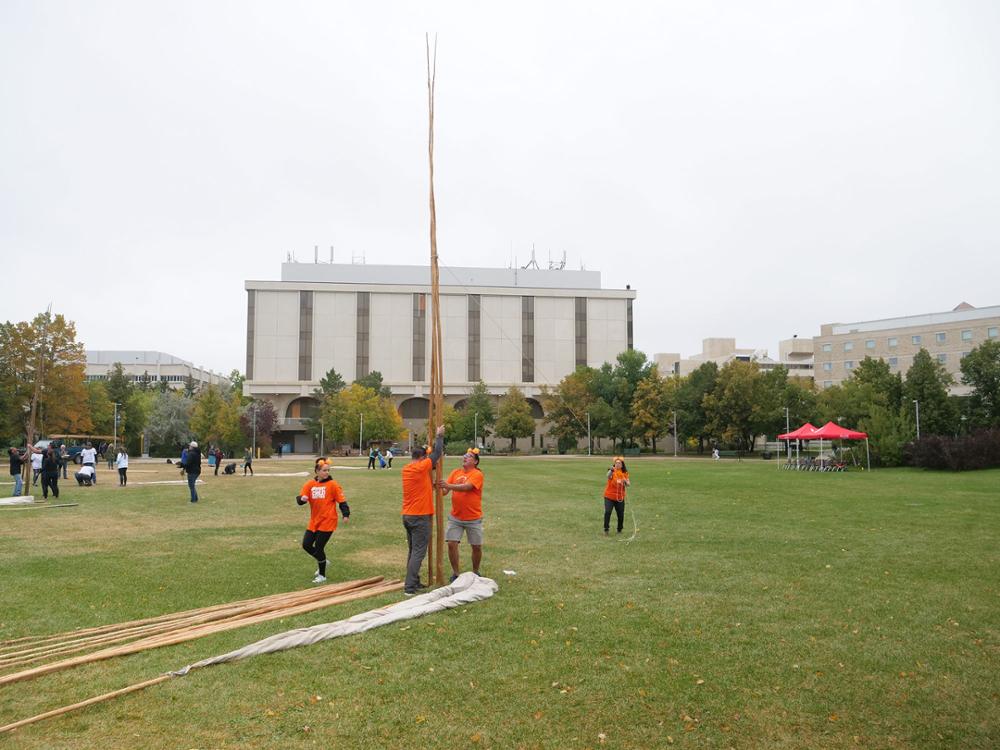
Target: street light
pixel 588 433
pixel 475 429
pixel 253 441
pixel 917 404
pixel 116 426
pixel 361 434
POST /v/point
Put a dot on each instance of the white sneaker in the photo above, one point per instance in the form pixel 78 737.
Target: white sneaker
pixel 319 579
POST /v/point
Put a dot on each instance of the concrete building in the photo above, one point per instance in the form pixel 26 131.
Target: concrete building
pixel 157 366
pixel 947 336
pixel 796 357
pixel 522 327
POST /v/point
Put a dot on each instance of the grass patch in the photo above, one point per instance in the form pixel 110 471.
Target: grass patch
pixel 754 607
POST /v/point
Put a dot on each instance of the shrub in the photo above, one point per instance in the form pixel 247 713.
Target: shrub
pixel 980 450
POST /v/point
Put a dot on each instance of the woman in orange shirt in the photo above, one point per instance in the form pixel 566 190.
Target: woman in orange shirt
pixel 323 496
pixel 614 493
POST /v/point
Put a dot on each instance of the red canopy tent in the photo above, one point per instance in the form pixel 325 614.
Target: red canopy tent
pixel 803 433
pixel 829 431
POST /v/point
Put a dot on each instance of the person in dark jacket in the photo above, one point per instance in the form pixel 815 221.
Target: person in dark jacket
pixel 51 466
pixel 16 462
pixel 192 465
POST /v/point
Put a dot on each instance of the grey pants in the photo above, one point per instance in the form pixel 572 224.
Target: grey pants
pixel 418 534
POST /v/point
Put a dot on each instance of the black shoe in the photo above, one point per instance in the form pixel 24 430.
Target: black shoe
pixel 453 577
pixel 409 592
pixel 422 586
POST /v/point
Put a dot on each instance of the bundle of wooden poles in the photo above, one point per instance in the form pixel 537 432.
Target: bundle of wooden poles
pixel 166 630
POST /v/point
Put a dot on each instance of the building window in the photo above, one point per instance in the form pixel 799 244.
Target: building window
pixel 251 315
pixel 475 307
pixel 915 340
pixel 419 336
pixel 893 342
pixel 527 339
pixel 893 361
pixel 363 328
pixel 581 331
pixel 942 358
pixel 963 355
pixel 967 335
pixel 940 337
pixel 827 347
pixel 305 335
pixel 827 383
pixel 848 365
pixel 828 366
pixel 848 346
pixel 993 332
pixel 870 344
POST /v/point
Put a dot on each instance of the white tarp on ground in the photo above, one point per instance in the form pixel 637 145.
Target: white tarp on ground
pixel 466 589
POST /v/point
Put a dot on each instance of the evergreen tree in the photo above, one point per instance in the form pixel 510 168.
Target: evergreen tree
pixel 927 383
pixel 981 371
pixel 514 418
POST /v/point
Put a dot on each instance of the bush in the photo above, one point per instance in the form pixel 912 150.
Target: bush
pixel 980 450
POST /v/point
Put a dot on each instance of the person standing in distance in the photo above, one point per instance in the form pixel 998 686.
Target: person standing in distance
pixel 418 508
pixel 192 465
pixel 50 473
pixel 614 493
pixel 121 461
pixel 323 496
pixel 16 461
pixel 466 488
pixel 247 462
pixel 88 457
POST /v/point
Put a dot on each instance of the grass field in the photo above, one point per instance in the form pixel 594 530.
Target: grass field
pixel 754 608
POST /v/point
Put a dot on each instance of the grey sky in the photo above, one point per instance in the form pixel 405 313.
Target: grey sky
pixel 753 169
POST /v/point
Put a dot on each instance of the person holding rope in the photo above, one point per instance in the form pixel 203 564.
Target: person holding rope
pixel 323 496
pixel 614 493
pixel 418 508
pixel 466 488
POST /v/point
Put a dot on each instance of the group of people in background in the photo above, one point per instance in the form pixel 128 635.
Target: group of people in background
pixel 380 457
pixel 49 463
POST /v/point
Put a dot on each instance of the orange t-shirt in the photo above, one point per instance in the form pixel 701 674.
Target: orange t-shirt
pixel 418 490
pixel 323 498
pixel 467 506
pixel 615 489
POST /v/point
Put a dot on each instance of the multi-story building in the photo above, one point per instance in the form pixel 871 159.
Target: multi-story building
pixel 794 357
pixel 155 367
pixel 947 336
pixel 521 327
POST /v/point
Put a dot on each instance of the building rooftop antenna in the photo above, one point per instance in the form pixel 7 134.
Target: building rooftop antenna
pixel 532 263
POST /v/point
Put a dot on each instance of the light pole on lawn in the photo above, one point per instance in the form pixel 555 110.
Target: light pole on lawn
pixel 475 429
pixel 361 434
pixel 916 404
pixel 588 433
pixel 253 440
pixel 675 433
pixel 115 428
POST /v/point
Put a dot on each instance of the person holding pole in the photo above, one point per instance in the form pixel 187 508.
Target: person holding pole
pixel 323 496
pixel 466 488
pixel 16 462
pixel 418 508
pixel 614 493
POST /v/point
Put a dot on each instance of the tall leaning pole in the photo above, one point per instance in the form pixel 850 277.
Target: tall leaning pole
pixel 435 551
pixel 36 396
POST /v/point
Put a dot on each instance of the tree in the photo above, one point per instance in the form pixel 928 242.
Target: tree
pixel 332 383
pixel 514 418
pixel 373 380
pixel 100 408
pixel 650 408
pixel 981 371
pixel 236 381
pixel 206 416
pixel 342 412
pixel 479 413
pixel 62 404
pixel 692 418
pixel 729 406
pixel 767 416
pixel 169 423
pixel 258 419
pixel 190 386
pixel 567 405
pixel 927 383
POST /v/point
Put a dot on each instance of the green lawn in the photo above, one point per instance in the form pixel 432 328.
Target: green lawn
pixel 755 607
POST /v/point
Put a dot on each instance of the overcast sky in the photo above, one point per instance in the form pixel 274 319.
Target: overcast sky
pixel 753 169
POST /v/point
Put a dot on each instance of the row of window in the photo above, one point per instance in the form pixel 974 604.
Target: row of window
pixel 893 361
pixel 917 339
pixel 140 378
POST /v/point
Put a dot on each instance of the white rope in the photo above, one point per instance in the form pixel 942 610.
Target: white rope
pixel 466 589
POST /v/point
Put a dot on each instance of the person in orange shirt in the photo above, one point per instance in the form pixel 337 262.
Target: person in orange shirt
pixel 323 496
pixel 418 509
pixel 466 488
pixel 614 493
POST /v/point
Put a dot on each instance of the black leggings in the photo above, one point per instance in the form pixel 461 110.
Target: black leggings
pixel 50 481
pixel 122 477
pixel 619 508
pixel 314 542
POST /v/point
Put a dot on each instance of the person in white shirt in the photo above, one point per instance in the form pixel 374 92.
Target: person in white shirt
pixel 88 457
pixel 36 468
pixel 121 461
pixel 85 476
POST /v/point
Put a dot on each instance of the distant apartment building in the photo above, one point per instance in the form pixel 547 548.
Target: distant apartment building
pixel 519 327
pixel 795 356
pixel 157 367
pixel 947 336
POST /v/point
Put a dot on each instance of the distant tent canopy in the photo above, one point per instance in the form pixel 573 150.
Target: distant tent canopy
pixel 829 431
pixel 802 433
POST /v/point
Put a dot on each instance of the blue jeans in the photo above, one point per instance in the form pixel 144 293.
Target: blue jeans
pixel 192 478
pixel 18 485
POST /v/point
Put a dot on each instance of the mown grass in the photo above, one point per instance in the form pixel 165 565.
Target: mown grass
pixel 754 607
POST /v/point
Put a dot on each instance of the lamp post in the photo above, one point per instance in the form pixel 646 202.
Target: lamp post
pixel 588 433
pixel 475 429
pixel 253 440
pixel 361 434
pixel 788 428
pixel 675 433
pixel 917 405
pixel 115 428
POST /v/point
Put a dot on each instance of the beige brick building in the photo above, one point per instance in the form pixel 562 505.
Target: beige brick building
pixel 947 336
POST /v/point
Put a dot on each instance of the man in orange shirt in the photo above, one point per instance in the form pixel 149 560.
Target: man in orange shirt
pixel 418 509
pixel 323 495
pixel 466 487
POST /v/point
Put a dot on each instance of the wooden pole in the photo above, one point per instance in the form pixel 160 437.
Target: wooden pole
pixel 435 549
